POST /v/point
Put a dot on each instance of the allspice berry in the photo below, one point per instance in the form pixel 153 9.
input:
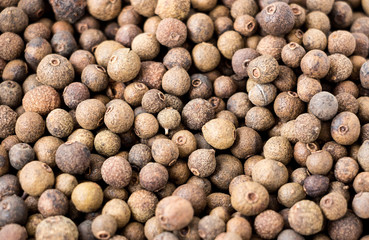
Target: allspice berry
pixel 104 10
pixel 319 162
pixel 315 64
pixel 56 227
pixel 362 155
pixel 268 224
pixel 14 210
pixel 194 194
pixel 229 42
pixel 14 231
pixel 360 205
pixel 288 106
pixel 290 193
pixel 279 149
pixel 65 183
pixel 146 125
pixel 59 123
pixel 200 27
pixel 90 113
pixel 270 173
pixel 119 116
pixel 13 19
pixel 345 128
pixel 20 154
pixel 153 101
pixel 153 177
pixel 227 168
pixel 210 226
pixel 176 81
pixel 8 119
pixel 104 226
pixel 305 217
pixel 42 100
pixel 171 32
pixel 292 53
pixel 323 105
pixel 219 133
pixel 202 162
pixel 56 71
pixel 116 171
pixel 206 56
pixel 73 158
pixel 94 77
pixel 308 128
pixel 52 202
pixel 119 209
pixel 333 205
pixel 316 185
pixel 248 142
pixel 35 177
pixel 29 127
pixel 164 151
pixel 124 65
pixel 12 46
pixel 196 113
pixel 341 42
pixel 249 198
pixel 347 227
pixel 276 19
pixel 87 197
pixel 174 213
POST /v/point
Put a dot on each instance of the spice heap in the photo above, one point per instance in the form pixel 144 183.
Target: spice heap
pixel 184 119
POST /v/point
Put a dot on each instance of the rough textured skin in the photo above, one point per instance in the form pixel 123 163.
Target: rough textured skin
pixel 153 177
pixel 142 204
pixel 202 162
pixel 340 68
pixel 104 10
pixel 173 9
pixel 36 177
pixel 174 213
pixel 124 65
pixel 56 71
pixel 196 113
pixel 270 173
pixel 333 205
pixel 70 10
pixel 119 116
pixel 271 17
pixel 309 128
pixel 210 226
pixel 90 113
pixel 164 151
pixel 229 42
pixel 53 202
pixel 87 197
pixel 268 224
pixel 116 171
pixel 11 46
pixel 151 74
pixel 348 227
pixel 119 209
pixel 8 118
pixel 14 210
pixel 220 138
pixel 73 158
pixel 13 231
pixel 13 19
pixel 345 128
pixel 315 64
pixel 171 32
pixel 250 198
pixel 305 217
pixel 29 127
pixel 57 228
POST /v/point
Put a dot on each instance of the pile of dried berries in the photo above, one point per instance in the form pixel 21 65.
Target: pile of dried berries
pixel 184 119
